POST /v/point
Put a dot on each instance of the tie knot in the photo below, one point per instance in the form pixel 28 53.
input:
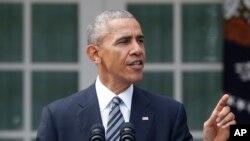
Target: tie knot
pixel 116 100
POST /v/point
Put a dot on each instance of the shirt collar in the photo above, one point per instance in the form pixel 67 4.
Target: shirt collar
pixel 105 95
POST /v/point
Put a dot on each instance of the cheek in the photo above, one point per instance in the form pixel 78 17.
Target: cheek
pixel 113 59
pixel 119 54
pixel 144 52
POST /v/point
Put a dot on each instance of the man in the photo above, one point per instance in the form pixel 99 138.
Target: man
pixel 115 45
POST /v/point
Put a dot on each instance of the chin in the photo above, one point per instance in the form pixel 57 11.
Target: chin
pixel 137 79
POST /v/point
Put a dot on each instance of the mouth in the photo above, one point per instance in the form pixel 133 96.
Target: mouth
pixel 137 62
pixel 136 65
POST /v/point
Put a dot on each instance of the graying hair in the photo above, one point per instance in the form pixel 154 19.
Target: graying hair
pixel 98 28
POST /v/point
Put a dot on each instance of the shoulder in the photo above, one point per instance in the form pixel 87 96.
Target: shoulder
pixel 169 114
pixel 161 103
pixel 157 98
pixel 72 101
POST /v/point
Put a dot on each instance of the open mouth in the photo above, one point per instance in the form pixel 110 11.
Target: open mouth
pixel 136 65
pixel 139 62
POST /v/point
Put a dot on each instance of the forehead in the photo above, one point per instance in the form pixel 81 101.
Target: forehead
pixel 124 26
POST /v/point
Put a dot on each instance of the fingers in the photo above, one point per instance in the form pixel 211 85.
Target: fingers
pixel 224 114
pixel 220 105
pixel 233 122
pixel 225 118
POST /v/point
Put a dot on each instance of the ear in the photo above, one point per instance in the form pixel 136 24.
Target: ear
pixel 93 53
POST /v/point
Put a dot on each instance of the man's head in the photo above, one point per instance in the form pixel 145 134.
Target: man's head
pixel 98 28
pixel 115 44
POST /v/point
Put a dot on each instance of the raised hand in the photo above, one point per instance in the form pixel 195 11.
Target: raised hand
pixel 216 128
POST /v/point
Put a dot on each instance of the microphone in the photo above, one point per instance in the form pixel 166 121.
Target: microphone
pixel 127 132
pixel 97 133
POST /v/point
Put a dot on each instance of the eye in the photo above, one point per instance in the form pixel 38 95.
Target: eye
pixel 123 41
pixel 141 40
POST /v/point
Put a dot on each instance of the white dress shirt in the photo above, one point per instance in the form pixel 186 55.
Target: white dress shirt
pixel 104 96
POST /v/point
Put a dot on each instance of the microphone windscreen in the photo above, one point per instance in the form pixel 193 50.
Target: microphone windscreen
pixel 97 133
pixel 127 132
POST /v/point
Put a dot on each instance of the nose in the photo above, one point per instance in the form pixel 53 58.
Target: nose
pixel 137 48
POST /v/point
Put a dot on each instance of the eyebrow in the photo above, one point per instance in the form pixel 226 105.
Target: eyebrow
pixel 140 36
pixel 129 37
pixel 123 38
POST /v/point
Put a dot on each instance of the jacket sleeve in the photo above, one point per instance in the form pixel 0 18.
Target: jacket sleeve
pixel 47 129
pixel 181 131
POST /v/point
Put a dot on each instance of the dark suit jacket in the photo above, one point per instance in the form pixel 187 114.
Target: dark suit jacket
pixel 71 118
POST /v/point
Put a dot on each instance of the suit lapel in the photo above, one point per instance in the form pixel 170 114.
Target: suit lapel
pixel 141 116
pixel 90 111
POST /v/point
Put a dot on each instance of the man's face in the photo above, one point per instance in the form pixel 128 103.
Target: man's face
pixel 121 52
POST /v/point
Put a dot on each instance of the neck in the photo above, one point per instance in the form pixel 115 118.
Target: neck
pixel 114 86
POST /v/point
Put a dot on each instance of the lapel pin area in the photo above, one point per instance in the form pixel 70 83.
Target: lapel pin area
pixel 145 118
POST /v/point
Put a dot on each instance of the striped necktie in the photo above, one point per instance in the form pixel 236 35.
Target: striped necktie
pixel 115 121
